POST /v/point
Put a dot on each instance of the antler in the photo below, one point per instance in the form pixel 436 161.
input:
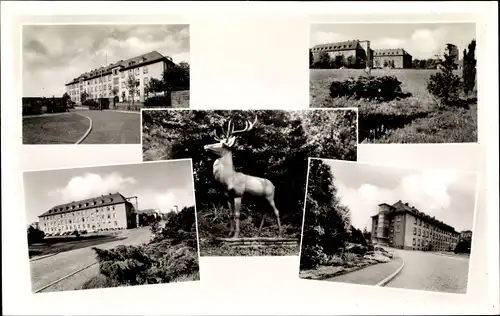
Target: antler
pixel 248 126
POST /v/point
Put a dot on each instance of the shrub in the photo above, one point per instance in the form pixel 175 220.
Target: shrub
pixel 312 256
pixel 158 101
pixel 34 235
pixel 384 88
pixel 92 104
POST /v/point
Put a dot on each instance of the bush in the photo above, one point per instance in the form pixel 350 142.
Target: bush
pixel 92 104
pixel 159 101
pixel 35 235
pixel 384 88
pixel 312 256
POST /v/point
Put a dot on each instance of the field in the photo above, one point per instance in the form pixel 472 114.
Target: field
pixel 414 119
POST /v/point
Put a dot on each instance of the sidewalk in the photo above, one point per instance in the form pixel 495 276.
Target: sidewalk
pixel 370 275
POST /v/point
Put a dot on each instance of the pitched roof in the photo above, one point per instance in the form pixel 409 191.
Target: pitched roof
pixel 390 52
pixel 338 46
pixel 99 201
pixel 137 61
pixel 399 206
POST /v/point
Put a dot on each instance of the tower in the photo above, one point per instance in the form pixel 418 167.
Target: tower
pixel 366 47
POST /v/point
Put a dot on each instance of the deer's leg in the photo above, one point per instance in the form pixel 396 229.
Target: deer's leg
pixel 237 206
pixel 277 213
pixel 261 224
pixel 231 219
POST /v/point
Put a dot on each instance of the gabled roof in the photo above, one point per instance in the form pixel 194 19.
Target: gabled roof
pixel 390 52
pixel 399 206
pixel 137 61
pixel 339 46
pixel 99 201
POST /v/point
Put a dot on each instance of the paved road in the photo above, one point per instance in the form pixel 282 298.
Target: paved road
pixel 432 272
pixel 47 270
pixel 109 127
pixel 370 275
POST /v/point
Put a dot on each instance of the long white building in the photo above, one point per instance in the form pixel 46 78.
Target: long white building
pixel 104 81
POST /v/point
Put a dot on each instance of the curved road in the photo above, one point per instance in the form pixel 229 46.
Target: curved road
pixel 432 272
pixel 47 270
pixel 111 127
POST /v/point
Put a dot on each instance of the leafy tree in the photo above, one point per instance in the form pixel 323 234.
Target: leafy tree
pixel 324 60
pixel 84 96
pixel 155 86
pixel 339 61
pixel 351 62
pixel 469 68
pixel 311 58
pixel 34 235
pixel 132 86
pixel 115 92
pixel 377 63
pixel 445 85
pixel 386 63
pixel 392 64
pixel 367 235
pixel 326 221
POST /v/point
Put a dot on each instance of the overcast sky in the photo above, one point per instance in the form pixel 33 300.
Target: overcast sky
pixel 422 40
pixel 157 185
pixel 447 195
pixel 55 54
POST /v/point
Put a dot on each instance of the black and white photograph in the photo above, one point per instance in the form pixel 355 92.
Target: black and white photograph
pixel 249 169
pixel 111 226
pixel 385 226
pixel 412 82
pixel 86 83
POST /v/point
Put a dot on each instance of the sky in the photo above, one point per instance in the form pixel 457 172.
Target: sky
pixel 446 194
pixel 159 185
pixel 422 40
pixel 55 54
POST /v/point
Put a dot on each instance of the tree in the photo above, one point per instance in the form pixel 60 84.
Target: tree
pixel 34 235
pixel 469 68
pixel 386 63
pixel 155 86
pixel 367 234
pixel 84 96
pixel 350 62
pixel 445 85
pixel 377 63
pixel 132 86
pixel 415 63
pixel 115 92
pixel 311 58
pixel 324 60
pixel 392 64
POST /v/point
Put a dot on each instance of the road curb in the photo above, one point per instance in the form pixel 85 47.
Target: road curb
pixel 392 276
pixel 43 257
pixel 88 130
pixel 120 111
pixel 64 277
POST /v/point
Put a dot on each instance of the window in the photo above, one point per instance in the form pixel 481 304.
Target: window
pixel 145 81
pixel 137 71
pixel 145 69
pixel 123 75
pixel 419 232
pixel 138 93
pixel 397 228
pixel 109 77
pixel 115 81
pixel 414 242
pixel 123 84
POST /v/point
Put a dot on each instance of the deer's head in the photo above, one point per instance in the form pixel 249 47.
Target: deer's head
pixel 226 143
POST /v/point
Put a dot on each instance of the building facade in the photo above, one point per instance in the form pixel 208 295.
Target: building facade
pixel 466 234
pixel 403 226
pixel 357 51
pixel 113 80
pixel 112 211
pixel 394 58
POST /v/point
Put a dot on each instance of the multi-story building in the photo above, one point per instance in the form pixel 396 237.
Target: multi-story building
pixel 466 234
pixel 361 52
pixel 112 211
pixel 403 226
pixel 113 80
pixel 358 51
pixel 396 58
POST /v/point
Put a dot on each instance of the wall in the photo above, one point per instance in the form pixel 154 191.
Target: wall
pixel 345 53
pixel 180 99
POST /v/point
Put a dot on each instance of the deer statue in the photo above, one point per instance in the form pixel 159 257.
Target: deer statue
pixel 237 184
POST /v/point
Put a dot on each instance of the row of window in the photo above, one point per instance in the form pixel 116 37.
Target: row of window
pixel 433 234
pixel 77 213
pixel 77 220
pixel 108 87
pixel 78 226
pixel 95 81
pixel 425 243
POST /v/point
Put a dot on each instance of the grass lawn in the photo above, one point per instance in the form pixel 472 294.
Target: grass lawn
pixel 420 120
pixel 56 245
pixel 65 128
